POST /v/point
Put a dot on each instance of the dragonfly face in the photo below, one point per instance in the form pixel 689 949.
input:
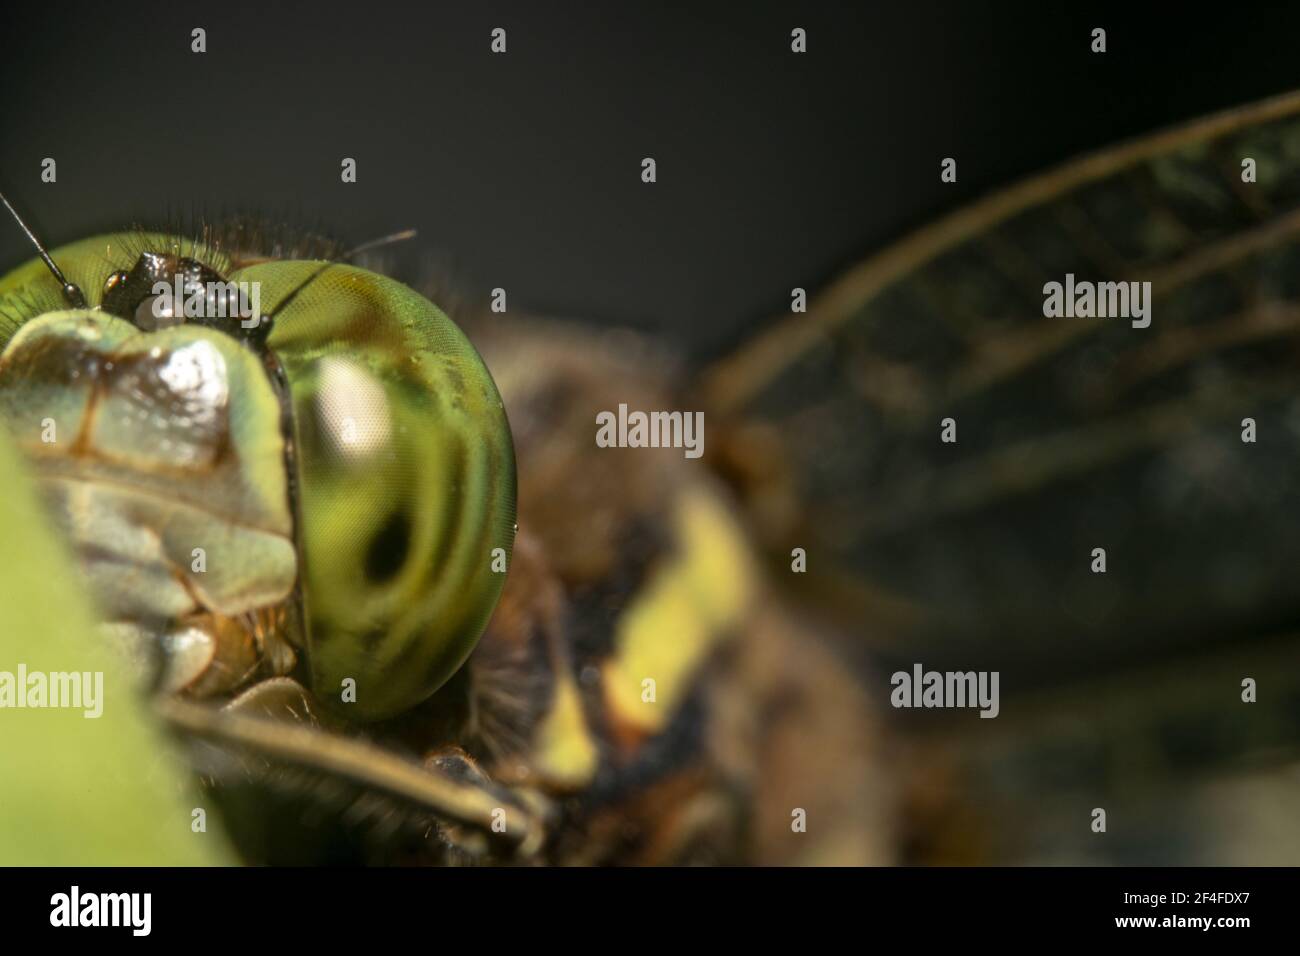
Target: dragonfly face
pixel 163 461
pixel 339 480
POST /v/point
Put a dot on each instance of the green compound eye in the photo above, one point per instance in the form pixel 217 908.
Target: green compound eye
pixel 407 481
pixel 402 473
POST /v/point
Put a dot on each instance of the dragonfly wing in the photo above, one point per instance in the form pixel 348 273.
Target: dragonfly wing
pixel 1168 450
pixel 1071 433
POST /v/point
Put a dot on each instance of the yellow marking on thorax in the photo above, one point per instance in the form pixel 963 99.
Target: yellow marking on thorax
pixel 688 605
pixel 565 752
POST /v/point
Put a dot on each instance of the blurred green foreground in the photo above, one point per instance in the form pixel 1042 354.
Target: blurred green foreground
pixel 75 790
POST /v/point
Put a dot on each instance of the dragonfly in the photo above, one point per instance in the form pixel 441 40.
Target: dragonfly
pixel 297 524
pixel 688 661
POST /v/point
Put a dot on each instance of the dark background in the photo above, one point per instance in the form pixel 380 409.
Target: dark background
pixel 523 170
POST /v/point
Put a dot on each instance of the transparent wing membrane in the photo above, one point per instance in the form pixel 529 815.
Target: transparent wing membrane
pixel 1072 434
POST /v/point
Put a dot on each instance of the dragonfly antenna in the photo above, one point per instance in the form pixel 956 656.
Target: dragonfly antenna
pixel 71 294
pixel 377 243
